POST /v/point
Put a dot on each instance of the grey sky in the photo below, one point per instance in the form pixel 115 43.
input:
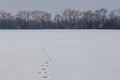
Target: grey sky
pixel 55 6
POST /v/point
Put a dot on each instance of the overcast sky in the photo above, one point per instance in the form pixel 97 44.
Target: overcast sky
pixel 55 6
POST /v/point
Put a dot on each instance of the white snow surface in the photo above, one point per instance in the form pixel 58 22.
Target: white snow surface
pixel 75 54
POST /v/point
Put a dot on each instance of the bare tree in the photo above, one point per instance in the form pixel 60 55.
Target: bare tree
pixel 5 15
pixel 24 15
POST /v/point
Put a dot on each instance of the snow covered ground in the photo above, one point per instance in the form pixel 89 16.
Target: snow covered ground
pixel 75 55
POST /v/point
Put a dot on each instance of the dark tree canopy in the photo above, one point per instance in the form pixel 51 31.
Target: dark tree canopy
pixel 67 19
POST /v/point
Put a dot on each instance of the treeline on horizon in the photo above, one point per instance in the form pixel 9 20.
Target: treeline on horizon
pixel 67 19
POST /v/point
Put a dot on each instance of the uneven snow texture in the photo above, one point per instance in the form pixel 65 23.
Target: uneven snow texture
pixel 75 54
